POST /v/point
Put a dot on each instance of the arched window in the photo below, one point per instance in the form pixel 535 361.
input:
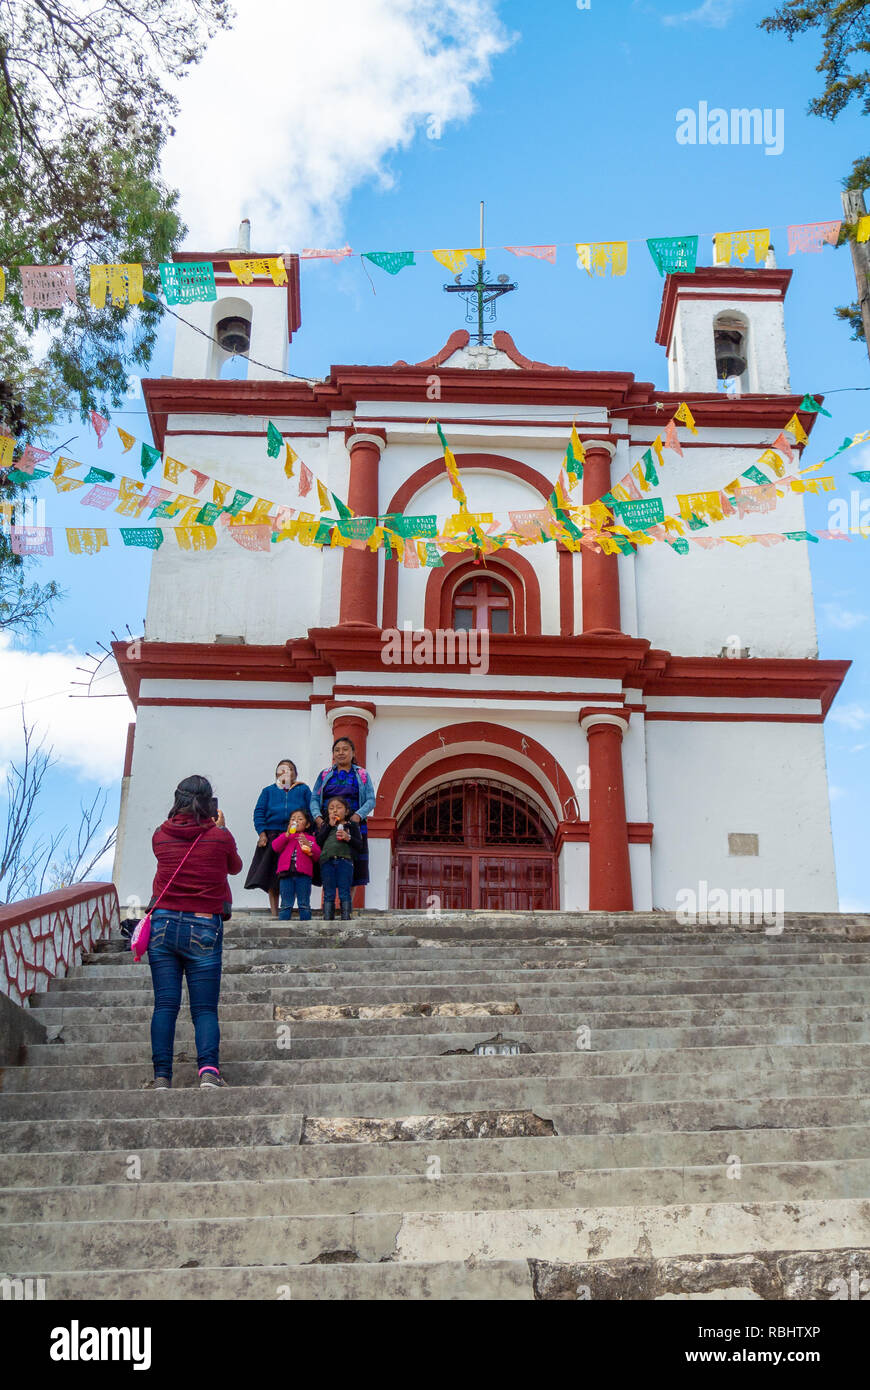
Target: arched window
pixel 730 344
pixel 484 603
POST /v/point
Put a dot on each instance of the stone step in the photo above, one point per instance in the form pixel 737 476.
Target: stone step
pixel 142 1201
pixel 568 1234
pixel 116 1054
pixel 713 1066
pixel 493 1280
pixel 256 1021
pixel 772 1274
pixel 674 972
pixel 270 1160
pixel 545 1092
pixel 245 1116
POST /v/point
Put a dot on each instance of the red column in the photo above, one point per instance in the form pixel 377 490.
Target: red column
pixel 600 575
pixel 359 568
pixel 609 864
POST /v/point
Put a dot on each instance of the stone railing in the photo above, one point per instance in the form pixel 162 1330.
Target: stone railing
pixel 43 938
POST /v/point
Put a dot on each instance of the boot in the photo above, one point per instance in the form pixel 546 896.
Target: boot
pixel 345 912
pixel 329 911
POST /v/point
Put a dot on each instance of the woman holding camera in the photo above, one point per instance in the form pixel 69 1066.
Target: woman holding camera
pixel 191 895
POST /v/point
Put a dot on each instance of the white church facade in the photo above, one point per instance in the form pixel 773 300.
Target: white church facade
pixel 640 723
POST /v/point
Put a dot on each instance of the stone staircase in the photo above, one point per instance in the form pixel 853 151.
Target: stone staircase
pixel 658 1112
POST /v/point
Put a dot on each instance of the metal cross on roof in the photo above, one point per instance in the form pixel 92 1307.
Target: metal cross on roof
pixel 481 295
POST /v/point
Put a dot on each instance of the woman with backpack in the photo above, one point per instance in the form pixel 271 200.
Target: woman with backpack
pixel 190 900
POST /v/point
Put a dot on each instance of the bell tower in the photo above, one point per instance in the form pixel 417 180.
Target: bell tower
pixel 255 322
pixel 726 323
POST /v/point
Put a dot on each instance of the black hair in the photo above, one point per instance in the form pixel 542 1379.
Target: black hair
pixel 344 803
pixel 291 764
pixel 343 738
pixel 194 797
pixel 301 811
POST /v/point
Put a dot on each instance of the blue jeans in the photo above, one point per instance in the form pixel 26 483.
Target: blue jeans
pixel 296 886
pixel 337 873
pixel 184 944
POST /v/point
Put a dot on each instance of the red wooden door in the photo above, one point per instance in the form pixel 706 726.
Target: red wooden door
pixel 474 845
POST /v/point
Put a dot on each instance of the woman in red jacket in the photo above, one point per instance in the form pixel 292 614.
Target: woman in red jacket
pixel 187 926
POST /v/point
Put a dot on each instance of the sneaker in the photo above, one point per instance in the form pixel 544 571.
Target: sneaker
pixel 210 1078
pixel 160 1083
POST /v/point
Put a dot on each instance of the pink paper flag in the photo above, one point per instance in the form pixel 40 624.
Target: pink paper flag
pixel 834 535
pixel 251 537
pixel 769 538
pixel 706 542
pixel 31 540
pixel 411 559
pixel 100 424
pixel 631 487
pixel 541 253
pixel 283 514
pixel 100 496
pixel 336 256
pixel 671 440
pixel 31 457
pixel 201 480
pixel 47 286
pixel 306 479
pixel 784 446
pixel 812 236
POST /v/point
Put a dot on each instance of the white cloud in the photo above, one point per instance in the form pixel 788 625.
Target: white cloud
pixel 714 13
pixel 299 103
pixel 852 716
pixel 843 618
pixel 88 735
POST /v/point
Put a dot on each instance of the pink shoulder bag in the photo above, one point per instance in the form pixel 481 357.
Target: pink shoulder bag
pixel 141 937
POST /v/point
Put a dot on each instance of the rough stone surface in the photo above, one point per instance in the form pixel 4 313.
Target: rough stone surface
pixel 324 1012
pixel 813 1274
pixel 410 1128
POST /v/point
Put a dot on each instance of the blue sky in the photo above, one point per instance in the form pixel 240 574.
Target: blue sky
pixel 571 137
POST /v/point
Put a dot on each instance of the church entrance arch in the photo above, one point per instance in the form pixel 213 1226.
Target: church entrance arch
pixel 472 844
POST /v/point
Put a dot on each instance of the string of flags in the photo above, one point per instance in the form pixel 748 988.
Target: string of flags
pixel 622 519
pixel 54 286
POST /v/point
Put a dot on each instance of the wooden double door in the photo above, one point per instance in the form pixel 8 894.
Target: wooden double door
pixel 474 844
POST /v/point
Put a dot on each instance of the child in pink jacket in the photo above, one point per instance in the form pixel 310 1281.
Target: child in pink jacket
pixel 297 851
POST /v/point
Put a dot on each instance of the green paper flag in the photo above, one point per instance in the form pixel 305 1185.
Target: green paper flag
pixel 674 253
pixel 274 441
pixel 356 528
pixel 323 535
pixel 239 502
pixel 343 511
pixel 568 524
pixel 755 474
pixel 149 536
pixel 409 527
pixel 15 475
pixel 680 546
pixel 208 514
pixel 808 403
pixel 187 282
pixel 148 458
pixel 98 475
pixel 695 523
pixel 863 475
pixel 649 471
pixel 800 536
pixel 846 444
pixel 573 465
pixel 624 544
pixel 167 507
pixel 433 556
pixel 609 501
pixel 390 261
pixel 649 511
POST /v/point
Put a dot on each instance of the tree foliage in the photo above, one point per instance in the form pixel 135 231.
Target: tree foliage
pixel 87 99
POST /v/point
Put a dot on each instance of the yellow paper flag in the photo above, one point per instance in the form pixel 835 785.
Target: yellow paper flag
pixel 122 283
pixel 795 427
pixel 771 459
pixel 86 540
pixel 863 231
pixel 290 457
pixel 128 440
pixel 323 497
pixel 196 537
pixel 7 445
pixel 245 270
pixel 685 415
pixel 173 469
pixel 2 284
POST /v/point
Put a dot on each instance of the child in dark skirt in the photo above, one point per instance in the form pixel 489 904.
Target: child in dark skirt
pixel 297 852
pixel 340 845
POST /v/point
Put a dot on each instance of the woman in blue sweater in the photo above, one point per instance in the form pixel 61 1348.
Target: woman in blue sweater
pixel 275 805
